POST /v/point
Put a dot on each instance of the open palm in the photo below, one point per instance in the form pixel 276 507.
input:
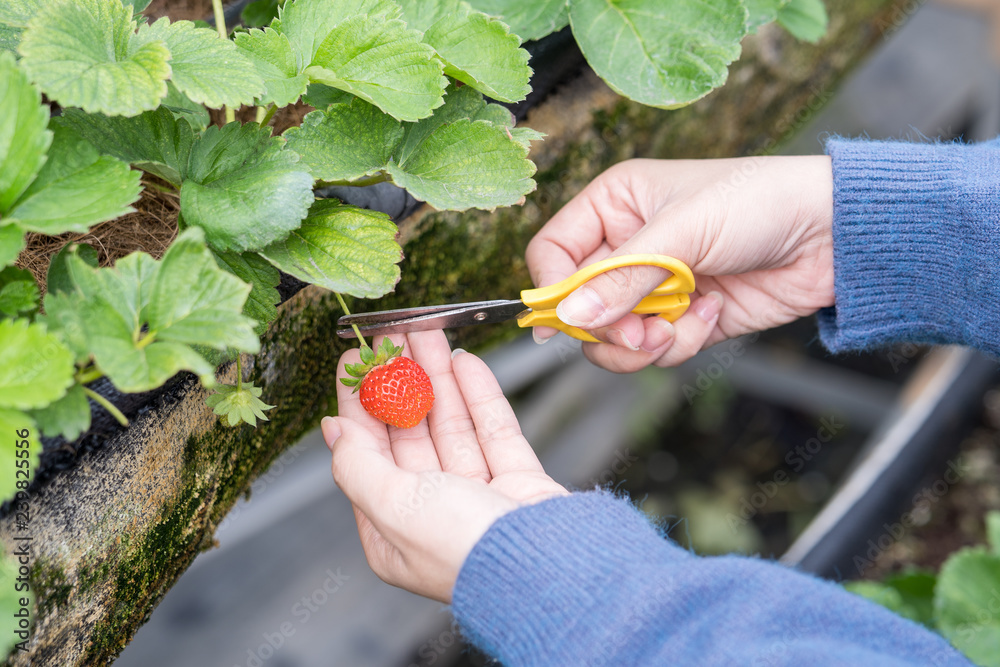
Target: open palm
pixel 424 496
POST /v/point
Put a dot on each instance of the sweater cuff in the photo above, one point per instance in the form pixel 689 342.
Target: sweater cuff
pixel 916 241
pixel 526 592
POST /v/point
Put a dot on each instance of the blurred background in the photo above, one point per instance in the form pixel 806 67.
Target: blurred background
pixel 766 445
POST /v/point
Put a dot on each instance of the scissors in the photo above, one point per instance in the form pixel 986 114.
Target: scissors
pixel 536 307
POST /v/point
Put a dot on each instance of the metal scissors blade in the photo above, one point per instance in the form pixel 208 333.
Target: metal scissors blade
pixel 536 307
pixel 428 318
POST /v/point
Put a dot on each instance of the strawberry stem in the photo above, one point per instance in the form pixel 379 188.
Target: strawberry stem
pixel 220 25
pixel 357 331
pixel 107 405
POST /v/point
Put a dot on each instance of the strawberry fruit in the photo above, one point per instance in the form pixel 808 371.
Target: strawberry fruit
pixel 394 389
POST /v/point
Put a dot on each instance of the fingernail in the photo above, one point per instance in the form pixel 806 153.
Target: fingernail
pixel 331 431
pixel 709 306
pixel 658 335
pixel 618 337
pixel 457 351
pixel 540 341
pixel 580 308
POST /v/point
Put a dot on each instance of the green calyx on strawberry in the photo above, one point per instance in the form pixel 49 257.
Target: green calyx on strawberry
pixel 394 389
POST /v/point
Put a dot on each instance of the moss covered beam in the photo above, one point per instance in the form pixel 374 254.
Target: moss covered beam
pixel 112 534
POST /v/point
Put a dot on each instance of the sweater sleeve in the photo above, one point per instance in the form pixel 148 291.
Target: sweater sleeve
pixel 587 580
pixel 916 243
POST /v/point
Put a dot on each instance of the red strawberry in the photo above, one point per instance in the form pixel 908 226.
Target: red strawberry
pixel 394 389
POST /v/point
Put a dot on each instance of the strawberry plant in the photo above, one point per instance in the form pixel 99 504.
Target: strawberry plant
pixel 96 104
pixel 664 54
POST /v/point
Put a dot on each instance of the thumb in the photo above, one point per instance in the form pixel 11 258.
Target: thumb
pixel 605 299
pixel 360 469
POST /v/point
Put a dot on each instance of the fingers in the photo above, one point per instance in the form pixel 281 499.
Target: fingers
pixel 412 448
pixel 362 466
pixel 665 344
pixel 694 329
pixel 451 425
pixel 499 434
pixel 349 405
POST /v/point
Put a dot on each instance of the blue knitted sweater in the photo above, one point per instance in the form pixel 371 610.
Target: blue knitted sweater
pixel 587 580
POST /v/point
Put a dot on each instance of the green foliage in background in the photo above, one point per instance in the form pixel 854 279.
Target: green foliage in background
pixel 961 602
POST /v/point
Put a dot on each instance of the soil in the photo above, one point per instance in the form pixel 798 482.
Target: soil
pixel 177 10
pixel 150 228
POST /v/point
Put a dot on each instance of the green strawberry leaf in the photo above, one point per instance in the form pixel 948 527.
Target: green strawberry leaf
pixel 35 367
pixel 181 106
pixel 464 103
pixel 18 292
pixel 967 586
pixel 24 137
pixel 206 68
pixel 141 318
pixel 11 243
pixel 358 46
pixel 18 428
pixel 909 594
pixel 58 278
pixel 347 141
pixel 528 19
pixel 193 301
pixel 243 189
pixel 464 155
pixel 155 141
pixel 238 404
pixel 134 370
pixel 17 13
pixel 383 62
pixel 804 19
pixel 68 417
pixel 76 188
pixel 476 49
pixel 694 41
pixel 271 53
pixel 81 53
pixel 236 182
pixel 68 188
pixel 762 12
pixel 137 5
pixel 465 162
pixel 342 248
pixel 63 318
pixel 10 37
pixel 916 590
pixel 261 305
pixel 308 22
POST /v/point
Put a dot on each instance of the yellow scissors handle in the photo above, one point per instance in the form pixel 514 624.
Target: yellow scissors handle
pixel 669 300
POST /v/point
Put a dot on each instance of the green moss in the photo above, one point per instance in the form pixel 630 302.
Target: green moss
pixel 91 573
pixel 51 587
